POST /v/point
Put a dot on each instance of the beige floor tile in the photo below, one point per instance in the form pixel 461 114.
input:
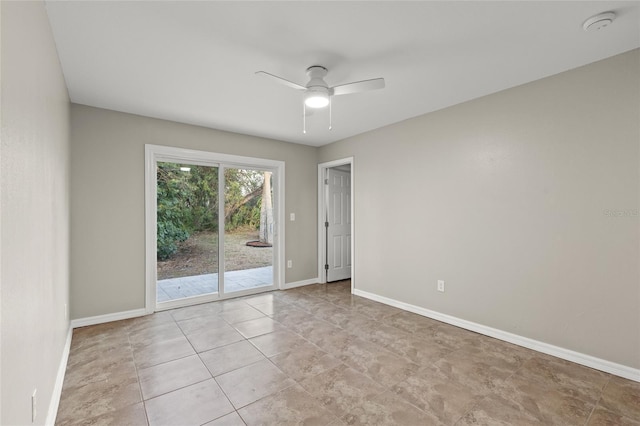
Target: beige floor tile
pixel 376 362
pixel 545 403
pixel 326 336
pixel 446 399
pixel 205 309
pixel 419 350
pixel 156 334
pixel 131 415
pixel 85 340
pixel 483 375
pixel 623 397
pixel 305 361
pixel 271 344
pixel 385 335
pixel 487 347
pixel 260 299
pixel 576 380
pixel 342 389
pixel 257 327
pixel 307 302
pixel 388 409
pixel 164 351
pixel 402 369
pixel 350 321
pixel 239 314
pixel 411 323
pixel 194 405
pixel 172 375
pixel 322 309
pixel 205 340
pixel 376 311
pixel 330 312
pixel 230 357
pixel 265 308
pixel 201 323
pixel 231 305
pixel 496 411
pixel 135 324
pixel 290 316
pixel 603 417
pixel 98 398
pixel 248 384
pixel 291 406
pixel 101 369
pixel 451 336
pixel 232 419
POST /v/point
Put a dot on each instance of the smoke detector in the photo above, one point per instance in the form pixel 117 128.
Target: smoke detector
pixel 598 21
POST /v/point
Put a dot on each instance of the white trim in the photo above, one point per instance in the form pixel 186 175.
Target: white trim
pixel 150 228
pixel 322 169
pixel 295 284
pixel 187 301
pixel 209 298
pixel 155 153
pixel 101 319
pixel 566 354
pixel 57 387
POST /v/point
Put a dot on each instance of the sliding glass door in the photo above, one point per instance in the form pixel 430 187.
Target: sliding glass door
pixel 248 224
pixel 215 233
pixel 187 231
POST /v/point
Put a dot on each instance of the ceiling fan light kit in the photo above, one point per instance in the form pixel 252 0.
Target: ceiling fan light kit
pixel 317 97
pixel 318 94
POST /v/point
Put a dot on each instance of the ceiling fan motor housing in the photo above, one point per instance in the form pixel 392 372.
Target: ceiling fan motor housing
pixel 316 75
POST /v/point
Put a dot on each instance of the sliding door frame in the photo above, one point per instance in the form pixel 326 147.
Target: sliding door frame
pixel 159 153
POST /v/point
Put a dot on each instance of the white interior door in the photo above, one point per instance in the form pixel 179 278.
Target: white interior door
pixel 338 263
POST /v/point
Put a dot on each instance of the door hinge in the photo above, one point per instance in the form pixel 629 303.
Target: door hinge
pixel 326 267
pixel 326 181
pixel 326 224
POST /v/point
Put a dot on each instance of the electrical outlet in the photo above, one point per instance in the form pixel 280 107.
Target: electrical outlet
pixel 441 285
pixel 34 412
pixel 292 217
pixel 289 264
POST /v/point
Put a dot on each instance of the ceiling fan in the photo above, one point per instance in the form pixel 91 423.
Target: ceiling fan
pixel 318 94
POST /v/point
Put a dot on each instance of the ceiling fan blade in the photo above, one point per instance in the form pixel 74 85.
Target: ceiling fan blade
pixel 282 80
pixel 358 86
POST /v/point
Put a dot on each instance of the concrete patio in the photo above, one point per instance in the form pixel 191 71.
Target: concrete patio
pixel 179 288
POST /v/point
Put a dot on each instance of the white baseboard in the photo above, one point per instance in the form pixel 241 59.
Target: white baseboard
pixel 117 316
pixel 287 286
pixel 100 319
pixel 566 354
pixel 57 387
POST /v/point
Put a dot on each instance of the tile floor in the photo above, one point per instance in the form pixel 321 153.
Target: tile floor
pixel 196 285
pixel 317 355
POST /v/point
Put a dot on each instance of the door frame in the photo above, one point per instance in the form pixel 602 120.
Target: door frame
pixel 155 153
pixel 322 208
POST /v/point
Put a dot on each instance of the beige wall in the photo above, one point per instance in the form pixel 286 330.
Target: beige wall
pixel 34 278
pixel 506 198
pixel 107 203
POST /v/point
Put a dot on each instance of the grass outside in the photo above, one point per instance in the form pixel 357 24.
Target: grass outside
pixel 198 255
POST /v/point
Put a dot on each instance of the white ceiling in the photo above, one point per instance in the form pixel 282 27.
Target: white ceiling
pixel 194 62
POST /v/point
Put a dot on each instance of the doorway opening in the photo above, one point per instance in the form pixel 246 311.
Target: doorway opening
pixel 211 222
pixel 335 224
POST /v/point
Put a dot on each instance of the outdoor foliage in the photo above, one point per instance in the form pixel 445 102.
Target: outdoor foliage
pixel 188 202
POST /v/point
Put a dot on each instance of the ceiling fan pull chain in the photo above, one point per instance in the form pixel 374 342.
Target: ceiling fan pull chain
pixel 330 127
pixel 304 118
